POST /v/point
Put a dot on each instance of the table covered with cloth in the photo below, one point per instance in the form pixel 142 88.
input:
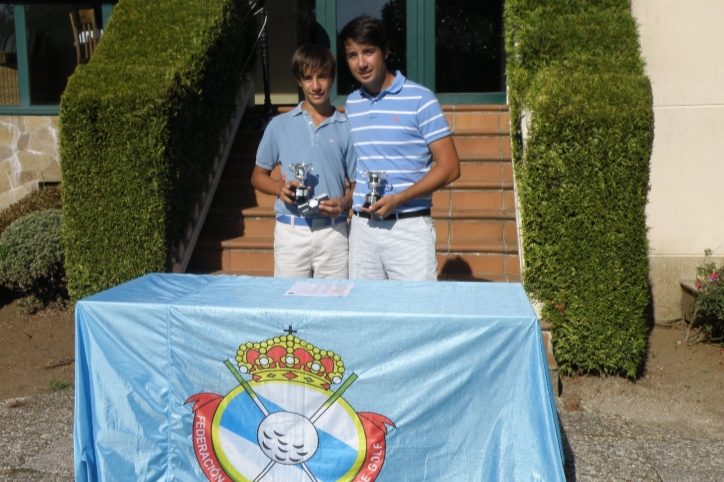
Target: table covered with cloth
pixel 188 378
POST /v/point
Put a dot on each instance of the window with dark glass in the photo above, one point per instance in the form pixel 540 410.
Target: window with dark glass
pixel 468 46
pixel 40 47
pixel 51 48
pixel 454 47
pixel 393 15
pixel 9 87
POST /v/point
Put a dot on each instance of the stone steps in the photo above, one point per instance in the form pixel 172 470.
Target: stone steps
pixel 474 216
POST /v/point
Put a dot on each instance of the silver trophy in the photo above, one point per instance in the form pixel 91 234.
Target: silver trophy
pixel 374 179
pixel 300 172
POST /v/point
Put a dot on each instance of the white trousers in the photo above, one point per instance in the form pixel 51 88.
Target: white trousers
pixel 301 250
pixel 397 250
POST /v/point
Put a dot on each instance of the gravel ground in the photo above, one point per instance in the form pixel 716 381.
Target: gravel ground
pixel 36 444
pixel 602 447
pixel 36 437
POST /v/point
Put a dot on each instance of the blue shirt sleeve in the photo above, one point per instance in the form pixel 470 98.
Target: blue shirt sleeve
pixel 267 156
pixel 350 159
pixel 431 120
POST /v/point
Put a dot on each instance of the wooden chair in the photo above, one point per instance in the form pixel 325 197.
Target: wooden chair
pixel 86 34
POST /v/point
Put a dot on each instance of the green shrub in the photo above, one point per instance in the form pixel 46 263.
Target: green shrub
pixel 47 197
pixel 140 127
pixel 31 304
pixel 583 181
pixel 31 254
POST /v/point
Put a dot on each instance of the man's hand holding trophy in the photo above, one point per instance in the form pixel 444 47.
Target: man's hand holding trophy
pixel 374 180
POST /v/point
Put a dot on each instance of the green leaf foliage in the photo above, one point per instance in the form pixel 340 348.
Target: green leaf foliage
pixel 31 253
pixel 140 126
pixel 575 77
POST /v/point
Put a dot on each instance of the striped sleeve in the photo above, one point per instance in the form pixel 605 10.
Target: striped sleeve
pixel 351 157
pixel 431 120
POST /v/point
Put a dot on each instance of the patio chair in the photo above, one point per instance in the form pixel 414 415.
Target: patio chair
pixel 85 33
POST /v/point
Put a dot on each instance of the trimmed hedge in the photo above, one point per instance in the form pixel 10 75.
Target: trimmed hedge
pixel 583 182
pixel 140 126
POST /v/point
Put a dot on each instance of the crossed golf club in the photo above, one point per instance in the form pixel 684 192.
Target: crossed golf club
pixel 320 411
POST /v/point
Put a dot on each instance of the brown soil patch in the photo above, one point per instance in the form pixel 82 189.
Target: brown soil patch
pixel 37 350
pixel 682 387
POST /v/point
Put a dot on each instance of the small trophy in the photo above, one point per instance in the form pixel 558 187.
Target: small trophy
pixel 300 172
pixel 374 179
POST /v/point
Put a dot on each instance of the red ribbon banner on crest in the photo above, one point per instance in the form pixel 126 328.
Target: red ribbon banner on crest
pixel 375 432
pixel 205 405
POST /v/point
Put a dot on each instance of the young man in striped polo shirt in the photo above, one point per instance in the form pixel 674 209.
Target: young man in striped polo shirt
pixel 398 128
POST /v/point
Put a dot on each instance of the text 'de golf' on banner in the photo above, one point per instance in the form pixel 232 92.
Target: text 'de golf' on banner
pixel 193 378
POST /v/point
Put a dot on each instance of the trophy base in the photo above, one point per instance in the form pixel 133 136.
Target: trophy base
pixel 300 196
pixel 370 199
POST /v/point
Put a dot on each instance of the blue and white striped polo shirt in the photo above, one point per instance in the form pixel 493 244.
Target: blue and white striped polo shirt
pixel 391 133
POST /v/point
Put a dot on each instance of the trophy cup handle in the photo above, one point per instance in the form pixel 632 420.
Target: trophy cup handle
pixel 383 176
pixel 292 168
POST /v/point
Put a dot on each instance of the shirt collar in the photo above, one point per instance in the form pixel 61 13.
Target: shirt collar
pixel 336 116
pixel 297 110
pixel 394 88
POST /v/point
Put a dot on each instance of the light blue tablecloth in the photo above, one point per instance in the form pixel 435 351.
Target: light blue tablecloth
pixel 455 372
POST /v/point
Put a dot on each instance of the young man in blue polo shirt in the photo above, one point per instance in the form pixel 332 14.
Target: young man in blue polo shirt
pixel 398 128
pixel 313 133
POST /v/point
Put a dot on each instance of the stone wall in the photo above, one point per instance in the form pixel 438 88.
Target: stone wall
pixel 28 155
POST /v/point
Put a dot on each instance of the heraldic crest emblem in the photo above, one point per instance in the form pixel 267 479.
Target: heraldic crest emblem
pixel 286 423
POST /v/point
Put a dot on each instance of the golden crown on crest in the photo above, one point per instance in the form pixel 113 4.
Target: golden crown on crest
pixel 291 358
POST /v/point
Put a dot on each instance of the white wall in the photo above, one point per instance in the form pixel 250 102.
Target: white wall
pixel 683 47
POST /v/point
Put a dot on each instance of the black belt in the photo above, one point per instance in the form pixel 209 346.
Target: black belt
pixel 395 216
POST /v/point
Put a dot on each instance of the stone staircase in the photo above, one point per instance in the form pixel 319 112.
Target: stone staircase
pixel 474 216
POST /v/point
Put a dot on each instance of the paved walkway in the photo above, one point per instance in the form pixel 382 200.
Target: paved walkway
pixel 36 444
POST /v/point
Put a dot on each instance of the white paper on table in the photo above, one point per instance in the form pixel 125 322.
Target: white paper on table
pixel 306 288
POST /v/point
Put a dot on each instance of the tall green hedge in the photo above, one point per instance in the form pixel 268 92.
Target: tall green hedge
pixel 140 126
pixel 575 71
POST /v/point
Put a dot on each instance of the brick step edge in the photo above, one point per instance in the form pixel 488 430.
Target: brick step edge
pixel 266 243
pixel 455 277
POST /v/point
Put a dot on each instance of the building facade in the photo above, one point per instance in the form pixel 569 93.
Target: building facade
pixel 681 46
pixel 684 54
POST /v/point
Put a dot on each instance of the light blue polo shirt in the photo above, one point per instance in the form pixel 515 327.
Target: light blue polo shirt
pixel 391 134
pixel 292 138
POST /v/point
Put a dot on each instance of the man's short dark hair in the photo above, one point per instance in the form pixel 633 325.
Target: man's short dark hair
pixel 313 58
pixel 365 30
